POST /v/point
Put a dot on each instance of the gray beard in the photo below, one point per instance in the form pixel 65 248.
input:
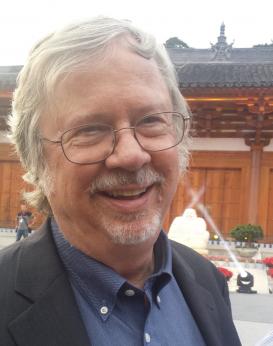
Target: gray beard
pixel 123 229
pixel 134 230
pixel 129 229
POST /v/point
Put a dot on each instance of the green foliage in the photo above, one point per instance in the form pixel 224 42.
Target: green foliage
pixel 175 42
pixel 247 233
pixel 264 45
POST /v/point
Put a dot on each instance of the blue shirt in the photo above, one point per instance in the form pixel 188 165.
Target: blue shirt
pixel 115 312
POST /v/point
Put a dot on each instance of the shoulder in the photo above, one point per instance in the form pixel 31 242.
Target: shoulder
pixel 10 302
pixel 187 263
pixel 200 267
pixel 26 252
pixel 184 252
pixel 27 268
pixel 10 256
pixel 27 260
pixel 8 260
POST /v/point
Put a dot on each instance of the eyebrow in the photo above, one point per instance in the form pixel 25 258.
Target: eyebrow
pixel 84 119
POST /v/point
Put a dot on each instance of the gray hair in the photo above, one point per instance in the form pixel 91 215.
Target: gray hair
pixel 53 58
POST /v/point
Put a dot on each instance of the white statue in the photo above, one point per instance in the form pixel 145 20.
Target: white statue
pixel 190 230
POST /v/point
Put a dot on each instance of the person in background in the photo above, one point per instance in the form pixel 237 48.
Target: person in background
pixel 24 220
pixel 102 130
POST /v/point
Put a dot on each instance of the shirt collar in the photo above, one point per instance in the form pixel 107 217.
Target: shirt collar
pixel 100 284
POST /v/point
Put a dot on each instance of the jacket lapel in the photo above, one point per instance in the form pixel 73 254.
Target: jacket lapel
pixel 50 315
pixel 199 300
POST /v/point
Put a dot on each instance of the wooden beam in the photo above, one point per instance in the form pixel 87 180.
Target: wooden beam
pixel 7 94
pixel 7 153
pixel 256 158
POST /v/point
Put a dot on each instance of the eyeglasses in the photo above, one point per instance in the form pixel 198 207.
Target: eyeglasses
pixel 94 142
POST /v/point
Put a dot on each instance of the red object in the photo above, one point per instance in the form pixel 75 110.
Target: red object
pixel 268 261
pixel 270 272
pixel 227 273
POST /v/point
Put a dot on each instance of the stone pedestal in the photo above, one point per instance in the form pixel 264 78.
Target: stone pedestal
pixel 246 252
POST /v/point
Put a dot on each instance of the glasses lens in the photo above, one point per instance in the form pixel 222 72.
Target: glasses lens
pixel 93 143
pixel 88 144
pixel 160 131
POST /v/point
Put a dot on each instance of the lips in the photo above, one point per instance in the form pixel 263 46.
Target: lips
pixel 125 194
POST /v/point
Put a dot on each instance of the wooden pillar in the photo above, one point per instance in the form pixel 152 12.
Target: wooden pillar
pixel 256 158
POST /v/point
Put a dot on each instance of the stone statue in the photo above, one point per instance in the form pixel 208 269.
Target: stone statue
pixel 190 230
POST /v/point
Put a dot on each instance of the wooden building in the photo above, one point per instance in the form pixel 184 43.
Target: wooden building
pixel 230 93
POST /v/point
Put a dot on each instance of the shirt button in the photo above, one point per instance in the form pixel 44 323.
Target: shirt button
pixel 104 310
pixel 158 299
pixel 129 293
pixel 147 337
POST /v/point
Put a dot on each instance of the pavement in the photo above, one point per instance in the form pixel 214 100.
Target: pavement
pixel 7 237
pixel 253 317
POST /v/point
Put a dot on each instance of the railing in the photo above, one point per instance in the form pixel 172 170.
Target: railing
pixel 234 244
pixel 6 231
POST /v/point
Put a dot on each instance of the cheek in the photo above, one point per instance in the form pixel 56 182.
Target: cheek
pixel 168 164
pixel 76 179
pixel 66 177
pixel 172 179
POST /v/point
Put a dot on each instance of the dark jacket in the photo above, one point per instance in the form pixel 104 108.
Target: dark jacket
pixel 38 308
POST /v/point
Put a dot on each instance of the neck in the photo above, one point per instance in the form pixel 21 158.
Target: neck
pixel 135 266
pixel 134 262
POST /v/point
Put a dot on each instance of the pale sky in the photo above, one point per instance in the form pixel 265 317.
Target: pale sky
pixel 248 22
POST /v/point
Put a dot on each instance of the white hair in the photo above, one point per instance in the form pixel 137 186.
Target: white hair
pixel 51 60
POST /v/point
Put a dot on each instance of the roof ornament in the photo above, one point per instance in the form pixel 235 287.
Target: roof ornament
pixel 221 49
pixel 222 30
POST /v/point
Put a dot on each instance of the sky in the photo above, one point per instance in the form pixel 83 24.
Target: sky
pixel 248 22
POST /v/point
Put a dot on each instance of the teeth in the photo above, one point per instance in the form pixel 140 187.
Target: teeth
pixel 126 193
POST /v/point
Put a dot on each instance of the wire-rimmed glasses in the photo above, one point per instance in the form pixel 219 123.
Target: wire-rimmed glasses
pixel 94 142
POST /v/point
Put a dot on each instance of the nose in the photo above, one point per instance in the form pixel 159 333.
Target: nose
pixel 127 154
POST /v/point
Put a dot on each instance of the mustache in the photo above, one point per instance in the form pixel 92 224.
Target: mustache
pixel 145 176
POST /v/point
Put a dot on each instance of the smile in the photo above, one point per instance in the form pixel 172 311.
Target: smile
pixel 124 200
pixel 126 194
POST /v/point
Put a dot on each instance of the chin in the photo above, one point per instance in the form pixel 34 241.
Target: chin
pixel 134 231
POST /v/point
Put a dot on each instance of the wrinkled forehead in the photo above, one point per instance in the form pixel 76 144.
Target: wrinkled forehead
pixel 119 57
pixel 115 75
pixel 99 58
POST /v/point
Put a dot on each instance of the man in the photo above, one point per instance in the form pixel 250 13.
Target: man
pixel 101 128
pixel 23 222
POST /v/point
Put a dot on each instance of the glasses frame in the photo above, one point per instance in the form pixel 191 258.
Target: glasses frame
pixel 185 119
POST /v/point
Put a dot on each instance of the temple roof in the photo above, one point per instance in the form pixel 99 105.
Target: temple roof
pixel 221 65
pixel 224 66
pixel 225 75
pixel 263 54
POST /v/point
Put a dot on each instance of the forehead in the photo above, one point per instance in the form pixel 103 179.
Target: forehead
pixel 122 81
pixel 119 72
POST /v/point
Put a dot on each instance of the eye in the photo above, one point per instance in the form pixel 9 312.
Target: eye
pixel 89 134
pixel 91 130
pixel 152 120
